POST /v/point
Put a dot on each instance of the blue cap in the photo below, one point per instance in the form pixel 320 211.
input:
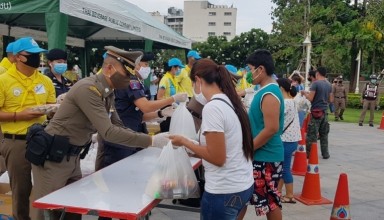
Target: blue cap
pixel 274 76
pixel 27 44
pixel 194 54
pixel 175 62
pixel 9 48
pixel 105 55
pixel 231 68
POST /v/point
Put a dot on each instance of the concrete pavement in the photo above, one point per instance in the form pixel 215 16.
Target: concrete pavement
pixel 357 151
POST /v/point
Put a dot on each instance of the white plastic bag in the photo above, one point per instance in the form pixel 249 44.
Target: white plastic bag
pixel 302 103
pixel 173 177
pixel 182 122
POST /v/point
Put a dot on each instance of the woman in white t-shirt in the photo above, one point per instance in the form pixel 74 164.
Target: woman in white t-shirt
pixel 290 137
pixel 225 143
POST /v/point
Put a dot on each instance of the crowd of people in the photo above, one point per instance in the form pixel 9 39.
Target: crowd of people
pixel 248 123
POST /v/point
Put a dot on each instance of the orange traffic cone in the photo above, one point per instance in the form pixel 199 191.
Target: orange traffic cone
pixel 382 122
pixel 300 163
pixel 340 210
pixel 311 194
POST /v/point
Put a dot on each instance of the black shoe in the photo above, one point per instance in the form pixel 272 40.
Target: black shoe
pixel 326 157
pixel 341 117
pixel 370 124
pixel 360 124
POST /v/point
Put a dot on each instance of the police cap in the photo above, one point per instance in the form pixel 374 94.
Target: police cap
pixel 129 59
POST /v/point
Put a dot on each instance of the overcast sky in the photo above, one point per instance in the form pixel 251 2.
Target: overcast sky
pixel 250 13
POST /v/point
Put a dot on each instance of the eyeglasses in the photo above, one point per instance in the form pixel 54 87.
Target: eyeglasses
pixel 340 81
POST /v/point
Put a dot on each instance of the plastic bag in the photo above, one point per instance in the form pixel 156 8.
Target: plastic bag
pixel 302 103
pixel 173 177
pixel 248 98
pixel 182 122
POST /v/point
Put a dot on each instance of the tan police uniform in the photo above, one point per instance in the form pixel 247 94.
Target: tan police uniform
pixel 340 97
pixel 81 114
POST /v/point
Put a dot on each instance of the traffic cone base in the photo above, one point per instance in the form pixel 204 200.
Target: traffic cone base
pixel 311 193
pixel 341 212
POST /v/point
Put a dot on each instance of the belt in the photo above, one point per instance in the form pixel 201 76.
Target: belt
pixel 195 114
pixel 16 136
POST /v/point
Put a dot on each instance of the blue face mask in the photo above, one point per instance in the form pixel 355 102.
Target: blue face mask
pixel 60 68
pixel 178 72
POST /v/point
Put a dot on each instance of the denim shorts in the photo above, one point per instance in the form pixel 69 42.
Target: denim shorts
pixel 224 206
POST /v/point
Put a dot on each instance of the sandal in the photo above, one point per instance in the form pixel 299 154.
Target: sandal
pixel 285 199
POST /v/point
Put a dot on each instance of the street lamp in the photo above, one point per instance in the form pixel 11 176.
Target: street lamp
pixel 358 59
pixel 308 44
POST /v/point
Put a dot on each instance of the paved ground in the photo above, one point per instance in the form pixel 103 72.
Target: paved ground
pixel 357 151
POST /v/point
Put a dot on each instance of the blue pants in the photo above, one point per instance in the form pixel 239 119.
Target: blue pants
pixel 224 206
pixel 289 148
pixel 115 152
pixel 302 115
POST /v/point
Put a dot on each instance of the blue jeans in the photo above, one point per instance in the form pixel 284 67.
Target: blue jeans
pixel 302 115
pixel 289 148
pixel 224 206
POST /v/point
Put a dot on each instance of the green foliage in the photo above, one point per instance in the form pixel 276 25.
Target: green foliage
pixel 235 51
pixel 354 101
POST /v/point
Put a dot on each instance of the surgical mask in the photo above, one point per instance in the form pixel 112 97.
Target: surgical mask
pixel 144 72
pixel 373 81
pixel 248 77
pixel 33 60
pixel 119 80
pixel 200 97
pixel 60 68
pixel 178 72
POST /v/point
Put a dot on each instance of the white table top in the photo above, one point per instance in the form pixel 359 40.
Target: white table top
pixel 116 191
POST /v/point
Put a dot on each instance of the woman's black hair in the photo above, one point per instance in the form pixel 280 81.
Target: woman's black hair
pixel 213 73
pixel 286 84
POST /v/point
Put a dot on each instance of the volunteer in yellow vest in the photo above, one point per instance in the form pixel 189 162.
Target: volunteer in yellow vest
pixel 243 86
pixel 183 78
pixel 168 85
pixel 21 88
pixel 7 62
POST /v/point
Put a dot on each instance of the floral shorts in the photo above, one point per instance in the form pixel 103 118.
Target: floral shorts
pixel 266 196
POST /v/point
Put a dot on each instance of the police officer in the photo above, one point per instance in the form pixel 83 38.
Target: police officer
pixel 57 62
pixel 340 99
pixel 21 88
pixel 134 108
pixel 369 99
pixel 84 111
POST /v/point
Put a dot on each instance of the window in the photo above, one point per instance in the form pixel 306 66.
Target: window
pixel 227 23
pixel 211 13
pixel 227 13
pixel 211 23
pixel 211 33
pixel 227 33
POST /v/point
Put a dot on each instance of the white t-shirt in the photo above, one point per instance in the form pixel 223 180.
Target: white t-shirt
pixel 236 173
pixel 292 134
pixel 153 87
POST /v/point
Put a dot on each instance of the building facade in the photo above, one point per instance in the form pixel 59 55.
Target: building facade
pixel 203 19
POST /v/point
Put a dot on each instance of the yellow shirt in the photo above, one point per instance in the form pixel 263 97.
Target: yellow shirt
pixel 185 81
pixel 170 85
pixel 5 64
pixel 18 92
pixel 242 84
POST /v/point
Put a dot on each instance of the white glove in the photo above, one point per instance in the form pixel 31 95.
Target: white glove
pixel 180 97
pixel 168 111
pixel 249 90
pixel 160 140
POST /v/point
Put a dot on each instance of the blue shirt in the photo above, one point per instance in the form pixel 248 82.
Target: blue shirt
pixel 129 113
pixel 273 150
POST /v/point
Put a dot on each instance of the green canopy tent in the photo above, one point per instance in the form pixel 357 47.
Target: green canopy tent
pixel 83 23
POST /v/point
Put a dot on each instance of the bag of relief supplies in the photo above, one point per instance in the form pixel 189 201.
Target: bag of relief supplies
pixel 173 177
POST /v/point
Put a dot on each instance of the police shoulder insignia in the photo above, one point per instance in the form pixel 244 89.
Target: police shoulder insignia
pixel 135 84
pixel 94 89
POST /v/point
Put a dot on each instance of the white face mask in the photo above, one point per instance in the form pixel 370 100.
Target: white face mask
pixel 200 97
pixel 144 72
